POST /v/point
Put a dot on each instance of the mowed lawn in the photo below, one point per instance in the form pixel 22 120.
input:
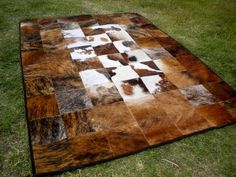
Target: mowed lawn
pixel 207 28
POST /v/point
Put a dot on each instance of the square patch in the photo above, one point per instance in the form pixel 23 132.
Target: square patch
pixel 104 94
pixel 82 53
pixel 72 100
pixel 132 89
pixel 92 77
pixel 77 42
pixel 73 33
pixel 98 40
pixel 145 68
pixel 157 83
pixel 105 49
pixel 122 73
pixel 125 45
pixel 136 56
pixel 113 60
pixel 198 95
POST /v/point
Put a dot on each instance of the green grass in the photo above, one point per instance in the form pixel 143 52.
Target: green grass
pixel 207 28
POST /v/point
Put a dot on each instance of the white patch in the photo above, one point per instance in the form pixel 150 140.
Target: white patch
pixel 122 48
pixel 73 33
pixel 93 77
pixel 108 63
pixel 82 53
pixel 139 55
pixel 152 83
pixel 124 73
pixel 137 91
pixel 100 39
pixel 77 42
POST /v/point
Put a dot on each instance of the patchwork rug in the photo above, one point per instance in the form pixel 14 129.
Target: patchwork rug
pixel 99 87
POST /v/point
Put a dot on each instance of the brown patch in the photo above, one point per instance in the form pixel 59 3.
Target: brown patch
pixel 104 39
pixel 67 83
pixel 181 112
pixel 90 148
pixel 52 157
pixel 87 23
pixel 138 33
pixel 118 57
pixel 215 114
pixel 196 67
pixel 107 117
pixel 121 20
pixel 42 106
pixel 182 79
pixel 145 72
pixel 90 63
pixel 53 39
pixel 148 43
pixel 30 37
pixel 151 64
pixel 50 69
pixel 80 18
pixel 59 55
pixel 230 106
pixel 105 49
pixel 134 82
pixel 165 84
pixel 154 122
pixel 140 20
pixel 47 131
pixel 156 33
pixel 220 90
pixel 48 24
pixel 128 89
pixel 129 58
pixel 90 31
pixel 38 86
pixel 32 57
pixel 126 139
pixel 76 123
pixel 103 19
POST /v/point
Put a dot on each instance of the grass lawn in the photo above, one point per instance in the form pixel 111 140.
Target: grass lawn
pixel 206 27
